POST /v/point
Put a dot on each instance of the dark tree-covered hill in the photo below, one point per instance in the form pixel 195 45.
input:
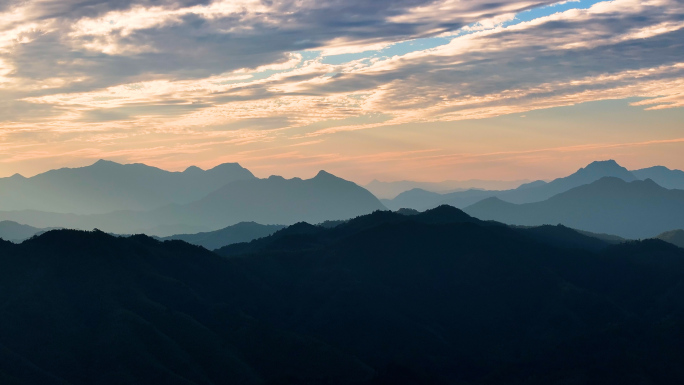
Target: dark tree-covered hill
pixel 436 297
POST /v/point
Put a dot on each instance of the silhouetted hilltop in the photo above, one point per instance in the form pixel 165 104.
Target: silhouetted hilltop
pixel 638 209
pixel 241 232
pixel 566 237
pixel 305 236
pixel 675 237
pixel 87 307
pixel 108 186
pixel 402 300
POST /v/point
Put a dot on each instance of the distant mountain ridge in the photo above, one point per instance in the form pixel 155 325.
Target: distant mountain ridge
pixel 274 200
pixel 107 186
pixel 539 190
pixel 389 190
pixel 16 232
pixel 637 209
pixel 672 179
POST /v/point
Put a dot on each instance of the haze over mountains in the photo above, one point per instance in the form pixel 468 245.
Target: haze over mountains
pixel 368 297
pixel 389 190
pixel 107 186
pixel 274 200
pixel 156 202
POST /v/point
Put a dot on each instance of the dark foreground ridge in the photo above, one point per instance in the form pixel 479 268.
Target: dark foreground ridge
pixel 437 297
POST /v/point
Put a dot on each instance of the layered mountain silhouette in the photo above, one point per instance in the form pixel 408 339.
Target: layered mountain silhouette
pixel 107 186
pixel 16 232
pixel 274 200
pixel 430 298
pixel 526 193
pixel 389 190
pixel 238 233
pixel 672 179
pixel 675 237
pixel 638 209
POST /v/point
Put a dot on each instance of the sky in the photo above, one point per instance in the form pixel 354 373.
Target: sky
pixel 424 90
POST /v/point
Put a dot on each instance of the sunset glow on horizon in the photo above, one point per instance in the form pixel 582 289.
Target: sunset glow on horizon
pixel 389 90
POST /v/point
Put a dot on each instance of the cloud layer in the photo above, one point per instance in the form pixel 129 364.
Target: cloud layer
pixel 229 72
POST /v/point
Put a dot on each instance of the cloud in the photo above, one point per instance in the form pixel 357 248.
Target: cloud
pixel 253 70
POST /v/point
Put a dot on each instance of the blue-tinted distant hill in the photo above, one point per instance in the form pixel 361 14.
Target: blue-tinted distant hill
pixel 638 209
pixel 530 192
pixel 16 232
pixel 389 190
pixel 273 200
pixel 672 179
pixel 107 186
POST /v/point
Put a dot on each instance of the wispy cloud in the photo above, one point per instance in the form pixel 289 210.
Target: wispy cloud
pixel 253 70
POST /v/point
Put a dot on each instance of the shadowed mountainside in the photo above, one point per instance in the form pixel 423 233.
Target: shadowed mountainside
pixel 107 186
pixel 638 209
pixel 437 297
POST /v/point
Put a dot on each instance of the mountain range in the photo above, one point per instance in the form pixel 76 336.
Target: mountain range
pixel 637 209
pixel 274 200
pixel 389 190
pixel 431 298
pixel 107 186
pixel 539 190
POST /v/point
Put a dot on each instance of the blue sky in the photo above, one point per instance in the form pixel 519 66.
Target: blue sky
pixel 401 89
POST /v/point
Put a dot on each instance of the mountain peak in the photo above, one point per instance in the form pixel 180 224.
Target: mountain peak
pixel 446 214
pixel 193 169
pixel 104 162
pixel 602 168
pixel 649 182
pixel 231 169
pixel 17 176
pixel 609 164
pixel 607 161
pixel 325 175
